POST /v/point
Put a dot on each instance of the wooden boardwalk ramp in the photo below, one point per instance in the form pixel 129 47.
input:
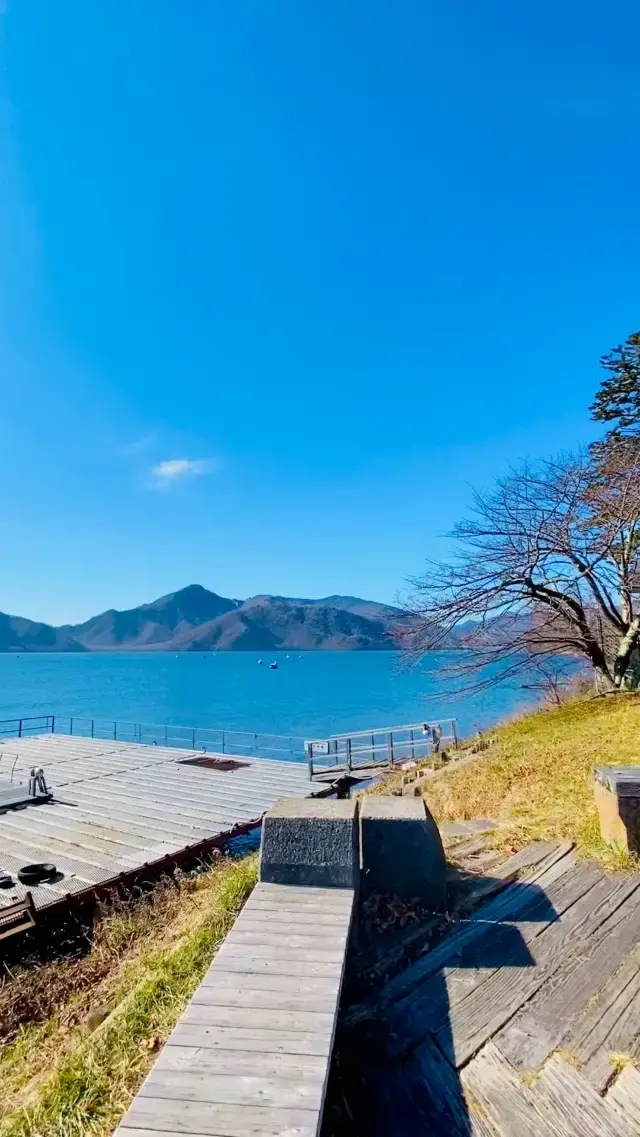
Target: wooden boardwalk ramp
pixel 251 1053
pixel 250 1056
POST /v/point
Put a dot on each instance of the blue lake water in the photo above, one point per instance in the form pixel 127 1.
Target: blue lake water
pixel 311 694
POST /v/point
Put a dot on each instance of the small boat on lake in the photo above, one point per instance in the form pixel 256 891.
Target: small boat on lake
pixel 273 666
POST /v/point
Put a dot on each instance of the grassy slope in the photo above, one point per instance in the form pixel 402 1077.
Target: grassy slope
pixel 537 777
pixel 60 1078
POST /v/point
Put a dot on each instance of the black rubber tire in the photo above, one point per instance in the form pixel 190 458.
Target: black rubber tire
pixel 35 874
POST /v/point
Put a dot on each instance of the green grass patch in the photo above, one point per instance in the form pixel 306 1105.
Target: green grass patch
pixel 537 777
pixel 93 1085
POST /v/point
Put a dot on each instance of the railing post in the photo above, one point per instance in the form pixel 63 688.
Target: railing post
pixel 390 747
pixel 70 726
pixel 19 728
pixel 348 754
pixel 92 727
pixel 53 724
pixel 413 753
pixel 193 738
pixel 223 742
pixel 115 731
pixel 455 734
pixel 309 748
pixel 166 735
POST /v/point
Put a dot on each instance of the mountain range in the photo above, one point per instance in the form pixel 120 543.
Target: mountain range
pixel 195 619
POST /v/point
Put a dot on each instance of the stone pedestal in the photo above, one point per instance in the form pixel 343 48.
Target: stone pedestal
pixel 311 842
pixel 401 851
pixel 617 795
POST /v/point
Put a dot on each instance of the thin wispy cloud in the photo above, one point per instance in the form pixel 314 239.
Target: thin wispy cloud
pixel 139 445
pixel 174 470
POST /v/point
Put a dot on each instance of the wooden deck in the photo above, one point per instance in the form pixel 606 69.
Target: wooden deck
pixel 120 809
pixel 251 1053
pixel 522 1021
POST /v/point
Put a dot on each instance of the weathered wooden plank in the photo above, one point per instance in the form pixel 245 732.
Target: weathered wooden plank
pixel 296 942
pixel 452 830
pixel 212 1060
pixel 508 944
pixel 527 860
pixel 305 984
pixel 486 1010
pixel 623 1039
pixel 509 1106
pixel 333 954
pixel 250 1038
pixel 572 1106
pixel 296 919
pixel 316 1022
pixel 443 1108
pixel 242 963
pixel 325 900
pixel 298 914
pixel 624 1096
pixel 330 899
pixel 501 946
pixel 467 848
pixel 534 859
pixel 123 1131
pixel 480 1125
pixel 510 904
pixel 609 1023
pixel 233 1089
pixel 467 891
pixel 160 1114
pixel 247 996
pixel 303 892
pixel 588 960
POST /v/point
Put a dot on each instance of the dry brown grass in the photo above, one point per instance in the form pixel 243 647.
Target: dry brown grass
pixel 68 987
pixel 63 1070
pixel 536 779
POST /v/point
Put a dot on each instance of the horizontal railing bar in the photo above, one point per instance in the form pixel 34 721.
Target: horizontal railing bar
pixel 383 730
pixel 29 718
pixel 122 724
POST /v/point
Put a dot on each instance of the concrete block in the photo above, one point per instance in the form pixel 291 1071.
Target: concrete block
pixel 617 796
pixel 311 842
pixel 401 851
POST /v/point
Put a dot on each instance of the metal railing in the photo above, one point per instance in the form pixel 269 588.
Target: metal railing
pixel 385 746
pixel 248 743
pixel 33 724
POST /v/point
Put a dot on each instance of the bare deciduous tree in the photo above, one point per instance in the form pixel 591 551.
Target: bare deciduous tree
pixel 548 564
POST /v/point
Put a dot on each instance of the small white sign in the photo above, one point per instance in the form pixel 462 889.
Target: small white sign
pixel 320 748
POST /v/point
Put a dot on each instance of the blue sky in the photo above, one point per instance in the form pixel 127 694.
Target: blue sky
pixel 279 282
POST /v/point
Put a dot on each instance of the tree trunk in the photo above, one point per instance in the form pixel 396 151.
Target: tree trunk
pixel 631 678
pixel 604 683
pixel 627 647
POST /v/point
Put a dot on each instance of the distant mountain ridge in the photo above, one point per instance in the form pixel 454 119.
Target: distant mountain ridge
pixel 195 619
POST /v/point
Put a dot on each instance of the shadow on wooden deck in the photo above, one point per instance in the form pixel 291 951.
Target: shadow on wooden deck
pixel 395 1070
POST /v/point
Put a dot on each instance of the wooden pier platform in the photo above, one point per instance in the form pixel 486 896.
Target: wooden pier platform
pixel 119 809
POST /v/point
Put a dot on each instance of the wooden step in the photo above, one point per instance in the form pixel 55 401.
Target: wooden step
pixel 509 1106
pixel 624 1096
pixel 573 1107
